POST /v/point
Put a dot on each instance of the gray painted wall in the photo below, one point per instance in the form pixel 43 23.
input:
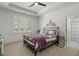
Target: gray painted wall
pixel 6 25
pixel 58 15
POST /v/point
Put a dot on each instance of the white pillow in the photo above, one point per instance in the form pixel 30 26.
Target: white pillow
pixel 51 33
pixel 41 31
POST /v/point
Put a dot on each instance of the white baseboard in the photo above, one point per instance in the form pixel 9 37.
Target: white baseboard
pixel 12 42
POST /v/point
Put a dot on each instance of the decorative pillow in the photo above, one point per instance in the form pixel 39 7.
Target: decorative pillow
pixel 51 33
pixel 41 31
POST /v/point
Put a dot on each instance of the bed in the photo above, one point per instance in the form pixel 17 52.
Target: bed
pixel 40 41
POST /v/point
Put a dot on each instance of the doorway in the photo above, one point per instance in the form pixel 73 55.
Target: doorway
pixel 73 31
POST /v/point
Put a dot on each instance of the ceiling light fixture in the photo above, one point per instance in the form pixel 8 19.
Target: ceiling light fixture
pixel 36 3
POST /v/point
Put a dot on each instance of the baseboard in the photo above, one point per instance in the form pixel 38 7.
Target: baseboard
pixel 13 42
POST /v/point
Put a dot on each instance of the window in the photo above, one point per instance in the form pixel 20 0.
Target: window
pixel 19 24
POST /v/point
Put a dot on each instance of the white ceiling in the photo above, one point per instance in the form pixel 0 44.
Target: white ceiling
pixel 36 10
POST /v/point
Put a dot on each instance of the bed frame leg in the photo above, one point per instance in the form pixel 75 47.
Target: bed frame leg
pixel 35 53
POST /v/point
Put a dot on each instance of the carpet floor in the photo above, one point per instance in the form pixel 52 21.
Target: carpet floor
pixel 18 49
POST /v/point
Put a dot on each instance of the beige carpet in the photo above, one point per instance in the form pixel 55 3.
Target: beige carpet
pixel 18 49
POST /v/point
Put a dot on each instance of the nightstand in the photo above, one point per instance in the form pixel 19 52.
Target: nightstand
pixel 61 41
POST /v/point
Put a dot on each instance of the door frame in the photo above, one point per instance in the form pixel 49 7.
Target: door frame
pixel 69 19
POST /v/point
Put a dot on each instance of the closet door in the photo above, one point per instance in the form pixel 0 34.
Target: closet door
pixel 73 32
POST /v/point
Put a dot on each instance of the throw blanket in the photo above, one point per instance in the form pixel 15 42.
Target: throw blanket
pixel 41 41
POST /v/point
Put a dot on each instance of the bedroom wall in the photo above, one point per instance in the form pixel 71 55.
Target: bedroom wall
pixel 6 25
pixel 58 15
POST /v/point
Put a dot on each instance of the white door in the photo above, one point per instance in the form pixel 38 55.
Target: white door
pixel 73 31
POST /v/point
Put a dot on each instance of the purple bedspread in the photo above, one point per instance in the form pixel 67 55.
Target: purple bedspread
pixel 41 41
